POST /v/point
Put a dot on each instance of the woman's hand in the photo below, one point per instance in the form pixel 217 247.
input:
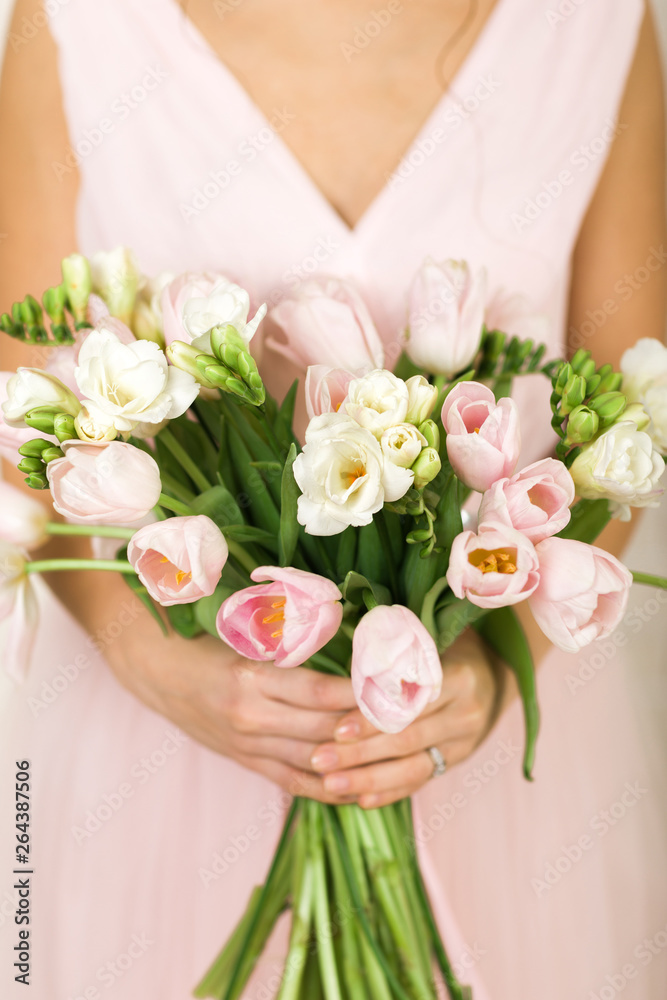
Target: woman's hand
pixel 266 718
pixel 377 768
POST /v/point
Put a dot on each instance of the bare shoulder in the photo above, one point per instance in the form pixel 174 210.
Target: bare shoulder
pixel 619 283
pixel 37 202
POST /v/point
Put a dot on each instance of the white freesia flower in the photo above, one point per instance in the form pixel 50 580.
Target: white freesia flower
pixel 401 444
pixel 226 303
pixel 377 401
pixel 147 322
pixel 31 387
pixel 622 466
pixel 422 397
pixel 644 368
pixel 116 277
pixel 343 476
pixel 125 385
pixel 88 429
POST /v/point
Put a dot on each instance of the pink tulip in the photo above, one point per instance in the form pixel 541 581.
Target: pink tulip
pixel 113 484
pixel 326 388
pixel 286 620
pixel 494 568
pixel 326 322
pixel 23 519
pixel 396 670
pixel 583 593
pixel 18 603
pixel 536 501
pixel 483 437
pixel 179 560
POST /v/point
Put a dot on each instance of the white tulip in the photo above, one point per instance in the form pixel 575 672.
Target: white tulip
pixel 377 401
pixel 226 303
pixel 401 444
pixel 126 385
pixel 31 387
pixel 23 520
pixel 644 368
pixel 18 603
pixel 343 476
pixel 622 466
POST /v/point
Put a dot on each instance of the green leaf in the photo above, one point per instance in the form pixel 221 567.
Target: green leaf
pixel 588 518
pixel 184 621
pixel 135 584
pixel 453 619
pixel 371 559
pixel 448 523
pixel 347 549
pixel 282 426
pixel 218 504
pixel 355 586
pixel 248 533
pixel 289 526
pixel 258 502
pixel 206 608
pixel 503 632
pixel 429 605
pixel 405 369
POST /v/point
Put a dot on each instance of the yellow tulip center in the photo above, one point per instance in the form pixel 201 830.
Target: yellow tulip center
pixel 180 573
pixel 277 616
pixel 495 561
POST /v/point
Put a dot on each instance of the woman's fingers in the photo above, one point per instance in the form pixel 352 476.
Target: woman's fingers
pixel 292 779
pixel 296 753
pixel 377 779
pixel 305 688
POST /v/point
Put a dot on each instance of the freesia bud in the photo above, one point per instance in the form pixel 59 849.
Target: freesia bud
pixel 37 481
pixel 34 448
pixel 231 350
pixel 145 326
pixel 582 425
pixel 583 364
pixel 31 465
pixel 51 454
pixel 638 415
pixel 431 432
pixel 77 282
pixel 609 407
pixel 54 300
pixel 116 278
pixel 191 360
pixel 426 468
pixel 422 397
pixel 32 388
pixel 565 373
pixel 574 394
pixel 63 427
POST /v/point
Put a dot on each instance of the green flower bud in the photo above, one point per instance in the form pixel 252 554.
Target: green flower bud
pixel 431 432
pixel 78 284
pixel 54 300
pixel 492 346
pixel 231 350
pixel 609 407
pixel 579 360
pixel 574 394
pixel 593 384
pixel 52 453
pixel 419 535
pixel 63 427
pixel 582 425
pixel 190 359
pixel 426 467
pixel 37 481
pixel 34 448
pixel 565 373
pixel 29 465
pixel 41 418
pixel 611 382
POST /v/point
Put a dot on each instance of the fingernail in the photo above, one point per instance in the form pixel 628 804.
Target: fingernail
pixel 348 731
pixel 336 783
pixel 324 760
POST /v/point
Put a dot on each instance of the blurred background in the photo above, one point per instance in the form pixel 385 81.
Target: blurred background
pixel 647 552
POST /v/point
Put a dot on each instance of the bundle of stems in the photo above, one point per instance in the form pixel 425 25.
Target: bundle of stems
pixel 362 924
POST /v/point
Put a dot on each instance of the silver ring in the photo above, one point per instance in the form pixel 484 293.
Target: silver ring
pixel 439 765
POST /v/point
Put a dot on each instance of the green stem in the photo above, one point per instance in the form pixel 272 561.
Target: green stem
pixel 174 486
pixel 98 531
pixel 184 460
pixel 383 532
pixel 328 665
pixel 241 556
pixel 48 565
pixel 650 580
pixel 302 903
pixel 266 889
pixel 325 949
pixel 174 505
pixel 273 440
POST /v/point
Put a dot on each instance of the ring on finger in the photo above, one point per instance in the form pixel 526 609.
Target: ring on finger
pixel 439 765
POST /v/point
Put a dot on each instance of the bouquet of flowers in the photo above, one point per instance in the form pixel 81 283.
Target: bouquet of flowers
pixel 357 553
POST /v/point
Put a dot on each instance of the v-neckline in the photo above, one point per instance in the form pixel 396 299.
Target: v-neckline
pixel 294 164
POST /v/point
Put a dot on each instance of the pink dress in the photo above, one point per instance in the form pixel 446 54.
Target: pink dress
pixel 146 845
